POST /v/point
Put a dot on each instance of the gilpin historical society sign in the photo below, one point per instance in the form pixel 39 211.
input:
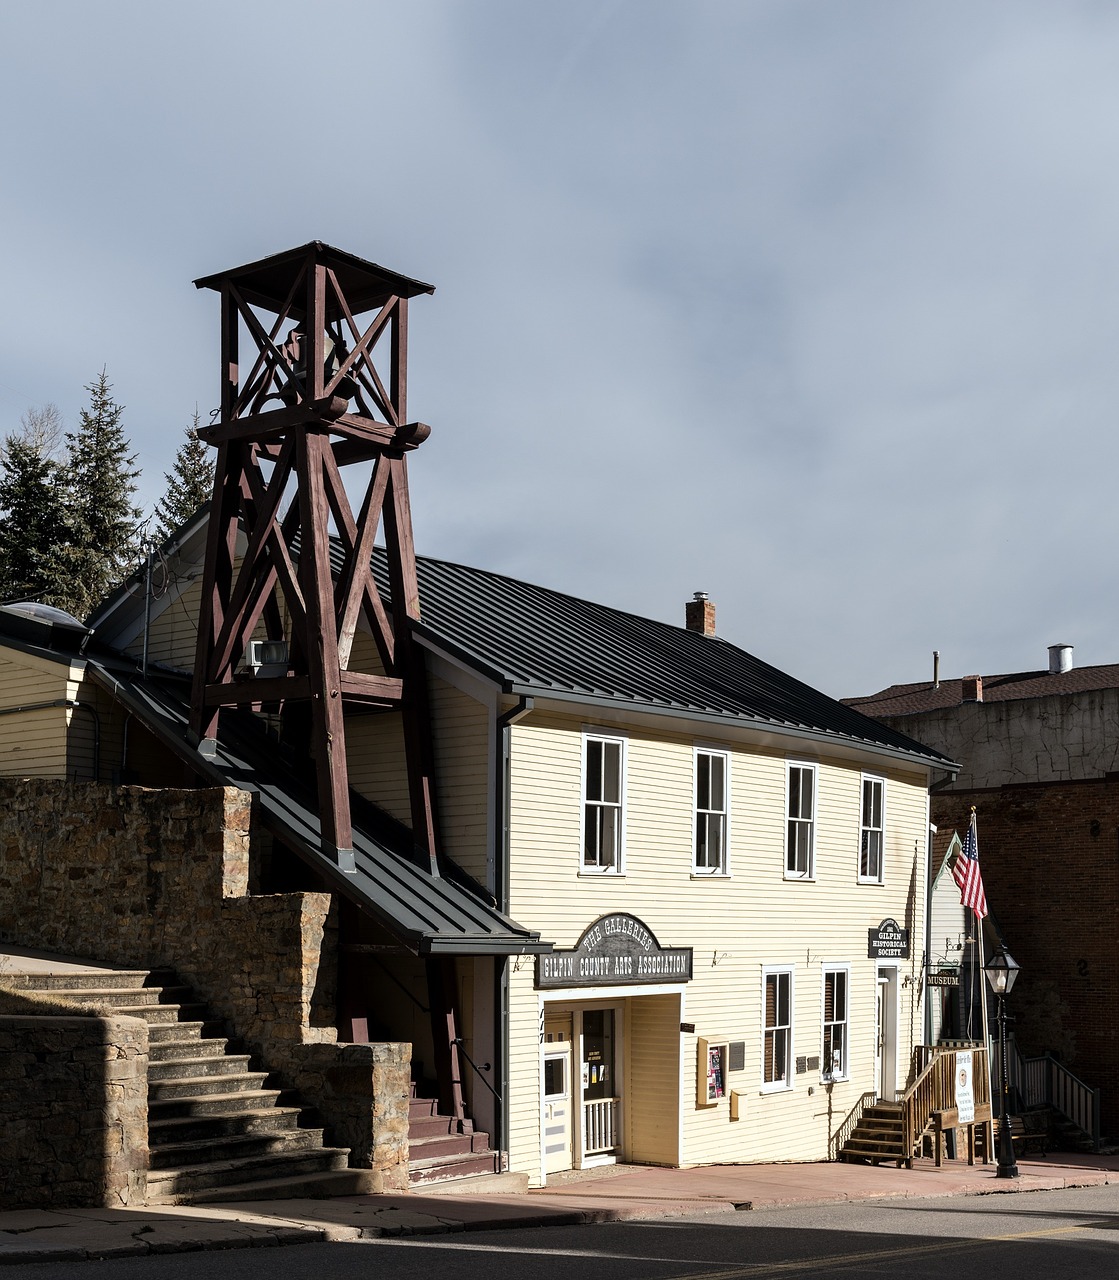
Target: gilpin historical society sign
pixel 615 950
pixel 888 942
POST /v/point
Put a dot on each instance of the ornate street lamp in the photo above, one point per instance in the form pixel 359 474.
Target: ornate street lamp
pixel 1002 972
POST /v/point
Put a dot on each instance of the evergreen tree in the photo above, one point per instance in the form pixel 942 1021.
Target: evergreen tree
pixel 190 483
pixel 33 526
pixel 100 476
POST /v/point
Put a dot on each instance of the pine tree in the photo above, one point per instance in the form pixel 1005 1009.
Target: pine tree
pixel 32 524
pixel 190 483
pixel 100 478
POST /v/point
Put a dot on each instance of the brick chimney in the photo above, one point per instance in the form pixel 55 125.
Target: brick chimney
pixel 699 614
pixel 971 689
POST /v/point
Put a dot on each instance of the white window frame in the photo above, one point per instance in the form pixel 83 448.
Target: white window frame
pixel 698 813
pixel 873 779
pixel 779 972
pixel 809 873
pixel 617 867
pixel 844 1071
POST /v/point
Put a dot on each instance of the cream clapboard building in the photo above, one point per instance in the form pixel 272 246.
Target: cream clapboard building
pixel 717 874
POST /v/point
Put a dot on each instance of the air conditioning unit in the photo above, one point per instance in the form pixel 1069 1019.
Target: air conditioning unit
pixel 266 658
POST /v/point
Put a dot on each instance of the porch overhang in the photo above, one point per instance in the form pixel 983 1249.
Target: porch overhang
pixel 430 914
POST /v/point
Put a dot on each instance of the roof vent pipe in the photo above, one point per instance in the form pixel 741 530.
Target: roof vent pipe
pixel 936 668
pixel 1060 659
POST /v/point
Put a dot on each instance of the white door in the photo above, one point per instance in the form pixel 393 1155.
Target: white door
pixel 556 1104
pixel 885 1035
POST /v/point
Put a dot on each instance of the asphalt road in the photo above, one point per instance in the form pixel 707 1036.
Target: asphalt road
pixel 1058 1235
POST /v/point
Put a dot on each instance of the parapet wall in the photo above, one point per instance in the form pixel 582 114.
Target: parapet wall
pixel 73 1111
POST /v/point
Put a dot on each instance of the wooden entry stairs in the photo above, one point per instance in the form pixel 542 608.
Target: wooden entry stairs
pixel 216 1131
pixel 877 1136
pixel 441 1148
pixel 898 1131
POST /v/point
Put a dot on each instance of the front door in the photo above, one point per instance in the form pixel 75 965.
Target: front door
pixel 885 1035
pixel 557 1116
pixel 599 1084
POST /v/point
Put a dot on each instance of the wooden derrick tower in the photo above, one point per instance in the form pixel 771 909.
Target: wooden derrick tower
pixel 314 400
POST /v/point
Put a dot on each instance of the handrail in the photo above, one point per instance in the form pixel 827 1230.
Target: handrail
pixel 462 1051
pixel 934 1089
pixel 839 1139
pixel 1051 1083
pixel 1044 1081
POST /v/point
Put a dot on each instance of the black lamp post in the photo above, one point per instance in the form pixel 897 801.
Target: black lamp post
pixel 1002 971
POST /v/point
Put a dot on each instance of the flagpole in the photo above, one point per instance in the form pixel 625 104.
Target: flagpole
pixel 982 976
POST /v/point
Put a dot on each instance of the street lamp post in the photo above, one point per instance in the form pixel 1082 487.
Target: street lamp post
pixel 1002 971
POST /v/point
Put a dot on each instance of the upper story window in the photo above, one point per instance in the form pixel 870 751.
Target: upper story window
pixel 872 830
pixel 834 1048
pixel 800 838
pixel 777 1032
pixel 711 777
pixel 603 789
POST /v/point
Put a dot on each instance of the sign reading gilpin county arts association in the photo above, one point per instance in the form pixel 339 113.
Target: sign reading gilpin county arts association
pixel 616 950
pixel 888 942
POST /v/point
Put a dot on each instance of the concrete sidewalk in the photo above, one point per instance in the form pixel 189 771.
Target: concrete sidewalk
pixel 611 1194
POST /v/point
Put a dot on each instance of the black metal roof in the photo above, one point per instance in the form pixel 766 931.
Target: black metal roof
pixel 430 913
pixel 538 642
pixel 534 641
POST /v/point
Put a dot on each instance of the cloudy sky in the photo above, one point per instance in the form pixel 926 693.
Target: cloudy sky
pixel 810 304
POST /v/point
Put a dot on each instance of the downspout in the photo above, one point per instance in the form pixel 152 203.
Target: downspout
pixel 946 781
pixel 71 704
pixel 505 723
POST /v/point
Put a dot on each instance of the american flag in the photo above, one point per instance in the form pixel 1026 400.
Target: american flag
pixel 966 873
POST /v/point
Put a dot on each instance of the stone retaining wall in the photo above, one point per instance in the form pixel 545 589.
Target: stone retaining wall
pixel 73 1111
pixel 151 878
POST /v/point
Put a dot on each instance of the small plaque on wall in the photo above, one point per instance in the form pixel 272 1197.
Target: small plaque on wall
pixel 736 1055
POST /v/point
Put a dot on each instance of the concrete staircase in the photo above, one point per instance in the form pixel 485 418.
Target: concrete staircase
pixel 441 1148
pixel 877 1136
pixel 215 1130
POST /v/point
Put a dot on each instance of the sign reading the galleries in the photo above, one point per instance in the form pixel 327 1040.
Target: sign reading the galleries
pixel 616 950
pixel 888 942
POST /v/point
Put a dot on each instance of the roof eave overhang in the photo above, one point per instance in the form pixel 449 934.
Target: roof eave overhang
pixel 456 946
pixel 756 724
pixel 418 941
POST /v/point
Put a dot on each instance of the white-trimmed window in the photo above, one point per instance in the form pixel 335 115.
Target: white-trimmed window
pixel 777 1029
pixel 712 784
pixel 833 1054
pixel 603 790
pixel 872 830
pixel 800 839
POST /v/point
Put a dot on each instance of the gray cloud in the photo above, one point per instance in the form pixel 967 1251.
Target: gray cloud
pixel 811 306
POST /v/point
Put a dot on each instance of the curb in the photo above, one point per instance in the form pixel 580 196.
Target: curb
pixel 256 1235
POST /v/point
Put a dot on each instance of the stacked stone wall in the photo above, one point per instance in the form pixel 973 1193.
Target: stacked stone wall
pixel 73 1111
pixel 151 878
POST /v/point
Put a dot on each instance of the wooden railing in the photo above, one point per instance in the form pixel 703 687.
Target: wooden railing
pixel 1045 1082
pixel 934 1089
pixel 600 1126
pixel 839 1139
pixel 1051 1082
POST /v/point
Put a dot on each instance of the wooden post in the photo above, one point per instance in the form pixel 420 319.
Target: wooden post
pixel 444 1035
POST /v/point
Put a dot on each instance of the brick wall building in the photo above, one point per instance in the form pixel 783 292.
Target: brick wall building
pixel 1039 753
